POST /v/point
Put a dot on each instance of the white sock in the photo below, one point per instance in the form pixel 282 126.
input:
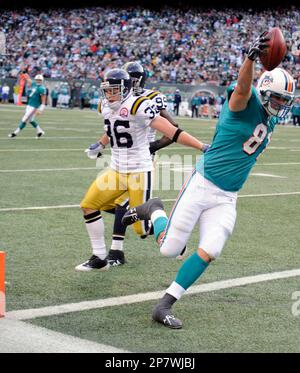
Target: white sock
pixel 117 244
pixel 17 131
pixel 96 232
pixel 176 290
pixel 38 129
pixel 158 214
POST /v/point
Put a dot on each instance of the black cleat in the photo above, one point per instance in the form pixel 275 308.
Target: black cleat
pixel 93 263
pixel 142 212
pixel 115 258
pixel 165 317
pixel 12 135
pixel 40 134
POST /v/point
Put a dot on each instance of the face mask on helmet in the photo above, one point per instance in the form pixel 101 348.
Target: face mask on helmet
pixel 115 88
pixel 276 104
pixel 276 92
pixel 137 75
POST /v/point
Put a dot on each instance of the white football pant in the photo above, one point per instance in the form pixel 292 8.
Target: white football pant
pixel 200 200
pixel 29 114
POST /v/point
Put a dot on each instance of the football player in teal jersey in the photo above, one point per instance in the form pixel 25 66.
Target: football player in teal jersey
pixel 36 105
pixel 209 195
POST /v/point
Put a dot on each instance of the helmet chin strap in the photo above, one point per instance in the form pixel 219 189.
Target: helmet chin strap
pixel 114 105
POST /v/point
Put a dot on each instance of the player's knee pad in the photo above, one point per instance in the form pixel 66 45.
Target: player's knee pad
pixel 214 244
pixel 171 247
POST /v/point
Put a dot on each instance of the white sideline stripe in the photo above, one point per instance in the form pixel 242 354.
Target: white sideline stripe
pixel 18 337
pixel 42 150
pixel 190 168
pixel 164 200
pixel 51 169
pixel 268 175
pixel 144 297
pixel 50 138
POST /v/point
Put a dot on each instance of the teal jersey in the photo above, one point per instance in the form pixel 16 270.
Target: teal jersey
pixel 64 91
pixel 34 94
pixel 239 139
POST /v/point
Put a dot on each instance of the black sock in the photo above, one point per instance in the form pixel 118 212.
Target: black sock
pixel 167 301
pixel 119 228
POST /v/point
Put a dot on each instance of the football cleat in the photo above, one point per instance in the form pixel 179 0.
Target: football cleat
pixel 115 258
pixel 165 317
pixel 12 135
pixel 94 263
pixel 40 134
pixel 142 212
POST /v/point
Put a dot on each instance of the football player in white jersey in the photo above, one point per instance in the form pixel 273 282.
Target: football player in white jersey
pixel 138 77
pixel 127 119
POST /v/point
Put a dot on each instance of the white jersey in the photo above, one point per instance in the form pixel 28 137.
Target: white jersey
pixel 160 102
pixel 127 128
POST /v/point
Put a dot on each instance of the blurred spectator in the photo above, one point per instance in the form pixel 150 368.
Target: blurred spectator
pixel 211 106
pixel 202 107
pixel 195 105
pixel 296 112
pixel 63 96
pixel 83 96
pixel 94 98
pixel 177 101
pixel 220 99
pixel 5 93
pixel 189 46
pixel 16 93
pixel 170 102
pixel 54 95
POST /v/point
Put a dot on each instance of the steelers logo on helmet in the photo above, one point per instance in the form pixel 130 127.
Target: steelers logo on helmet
pixel 137 74
pixel 276 90
pixel 115 88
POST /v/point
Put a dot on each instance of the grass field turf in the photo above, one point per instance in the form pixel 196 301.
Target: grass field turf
pixel 44 246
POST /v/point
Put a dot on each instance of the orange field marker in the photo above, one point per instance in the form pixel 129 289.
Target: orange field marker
pixel 2 283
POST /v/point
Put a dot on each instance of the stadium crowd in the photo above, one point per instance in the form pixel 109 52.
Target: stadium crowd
pixel 189 46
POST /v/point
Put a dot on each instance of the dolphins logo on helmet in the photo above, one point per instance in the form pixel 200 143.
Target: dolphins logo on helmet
pixel 276 90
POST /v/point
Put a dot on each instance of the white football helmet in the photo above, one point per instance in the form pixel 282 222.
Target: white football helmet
pixel 276 90
pixel 39 78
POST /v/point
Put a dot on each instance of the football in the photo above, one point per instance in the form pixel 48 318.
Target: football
pixel 272 57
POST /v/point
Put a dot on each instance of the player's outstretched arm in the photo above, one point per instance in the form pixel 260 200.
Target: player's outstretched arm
pixel 164 141
pixel 175 134
pixel 242 91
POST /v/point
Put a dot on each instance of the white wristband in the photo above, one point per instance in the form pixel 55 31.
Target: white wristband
pixel 42 107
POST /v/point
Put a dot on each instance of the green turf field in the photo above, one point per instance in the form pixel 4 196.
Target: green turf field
pixel 44 245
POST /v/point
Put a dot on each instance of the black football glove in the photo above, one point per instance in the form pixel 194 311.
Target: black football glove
pixel 260 44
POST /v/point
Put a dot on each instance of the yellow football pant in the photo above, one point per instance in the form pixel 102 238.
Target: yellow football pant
pixel 110 188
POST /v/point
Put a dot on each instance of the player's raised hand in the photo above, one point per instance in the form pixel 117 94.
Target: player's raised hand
pixel 94 151
pixel 259 45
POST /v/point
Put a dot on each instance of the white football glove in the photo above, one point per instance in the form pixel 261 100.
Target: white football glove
pixel 94 151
